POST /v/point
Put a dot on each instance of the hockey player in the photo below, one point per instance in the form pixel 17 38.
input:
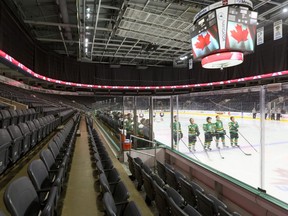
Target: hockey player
pixel 209 132
pixel 161 115
pixel 254 113
pixel 193 132
pixel 219 132
pixel 233 129
pixel 128 124
pixel 177 132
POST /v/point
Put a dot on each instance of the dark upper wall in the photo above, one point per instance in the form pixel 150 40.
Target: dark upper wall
pixel 270 57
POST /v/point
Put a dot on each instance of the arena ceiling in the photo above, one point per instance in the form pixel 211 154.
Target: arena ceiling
pixel 128 32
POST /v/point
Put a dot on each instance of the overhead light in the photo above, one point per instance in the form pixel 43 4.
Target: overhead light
pixel 87 27
pixel 86 42
pixel 88 9
pixel 285 10
pixel 88 15
pixel 183 57
pixel 86 50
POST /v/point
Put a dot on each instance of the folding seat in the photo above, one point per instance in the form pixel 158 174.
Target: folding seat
pixel 43 126
pixel 49 124
pixel 59 158
pixel 177 198
pixel 118 191
pixel 171 179
pixel 161 200
pixel 158 180
pixel 40 129
pixel 106 168
pixel 188 192
pixel 186 211
pixel 5 118
pixel 131 209
pixel 21 199
pixel 189 210
pixel 32 113
pixel 148 186
pixel 17 147
pixel 223 211
pixel 34 133
pixel 138 175
pixel 5 144
pixel 26 115
pixel 146 169
pixel 40 178
pixel 217 203
pixel 20 116
pixel 204 204
pixel 14 116
pixel 161 170
pixel 55 170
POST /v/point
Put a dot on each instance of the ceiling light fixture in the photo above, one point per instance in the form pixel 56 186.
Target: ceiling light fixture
pixel 285 10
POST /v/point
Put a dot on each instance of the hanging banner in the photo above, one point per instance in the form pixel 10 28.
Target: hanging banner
pixel 260 35
pixel 278 33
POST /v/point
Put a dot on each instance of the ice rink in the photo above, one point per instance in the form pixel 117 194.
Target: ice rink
pixel 235 163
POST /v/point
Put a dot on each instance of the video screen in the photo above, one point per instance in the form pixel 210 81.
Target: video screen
pixel 241 29
pixel 205 42
pixel 204 35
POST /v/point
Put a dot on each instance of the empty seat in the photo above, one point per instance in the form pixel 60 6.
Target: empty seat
pixel 186 211
pixel 149 188
pixel 34 133
pixel 177 198
pixel 32 113
pixel 40 178
pixel 204 204
pixel 14 117
pixel 161 170
pixel 131 166
pixel 27 135
pixel 26 115
pixel 188 192
pixel 20 116
pixel 138 175
pixel 44 127
pixel 131 209
pixel 158 180
pixel 4 118
pixel 40 129
pixel 5 144
pixel 217 203
pixel 17 147
pixel 161 200
pixel 171 179
pixel 21 199
pixel 223 212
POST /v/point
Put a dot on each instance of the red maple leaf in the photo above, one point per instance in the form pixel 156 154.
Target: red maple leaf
pixel 202 42
pixel 239 34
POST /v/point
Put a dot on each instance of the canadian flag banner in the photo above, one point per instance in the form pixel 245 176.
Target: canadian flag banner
pixel 278 33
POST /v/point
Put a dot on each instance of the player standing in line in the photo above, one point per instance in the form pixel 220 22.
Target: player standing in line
pixel 209 132
pixel 193 131
pixel 233 129
pixel 254 113
pixel 177 132
pixel 219 132
pixel 128 124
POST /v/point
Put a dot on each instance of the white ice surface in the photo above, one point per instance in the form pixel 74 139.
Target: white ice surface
pixel 235 163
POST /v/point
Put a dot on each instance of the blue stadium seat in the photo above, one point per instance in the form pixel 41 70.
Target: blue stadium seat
pixel 5 144
pixel 5 118
pixel 17 147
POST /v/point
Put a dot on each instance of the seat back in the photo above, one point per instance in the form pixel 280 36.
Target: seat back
pixel 171 179
pixel 131 165
pixel 161 199
pixel 20 116
pixel 34 132
pixel 146 169
pixel 48 159
pixel 120 194
pixel 21 198
pixel 17 145
pixel 158 180
pixel 109 204
pixel 175 209
pixel 5 122
pixel 177 198
pixel 131 209
pixel 40 129
pixel 5 144
pixel 148 185
pixel 191 211
pixel 104 183
pixel 14 116
pixel 161 170
pixel 38 174
pixel 188 192
pixel 204 205
pixel 54 149
pixel 216 202
pixel 138 174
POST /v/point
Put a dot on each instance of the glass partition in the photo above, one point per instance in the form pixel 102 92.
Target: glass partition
pixel 276 141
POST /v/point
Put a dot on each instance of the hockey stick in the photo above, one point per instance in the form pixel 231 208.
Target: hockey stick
pixel 190 150
pixel 203 147
pixel 247 141
pixel 248 154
